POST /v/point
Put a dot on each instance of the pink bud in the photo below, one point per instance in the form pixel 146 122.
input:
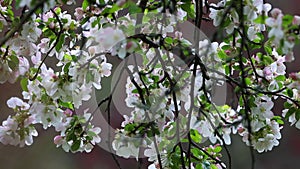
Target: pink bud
pixel 68 112
pixel 216 145
pixel 296 20
pixel 52 25
pixel 129 45
pixel 294 76
pixel 55 77
pixel 241 130
pixel 78 13
pixel 92 50
pixel 228 52
pixel 267 71
pixel 275 12
pixel 58 140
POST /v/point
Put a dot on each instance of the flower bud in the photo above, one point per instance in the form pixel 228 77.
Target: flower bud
pixel 275 12
pixel 296 20
pixel 58 140
pixel 68 112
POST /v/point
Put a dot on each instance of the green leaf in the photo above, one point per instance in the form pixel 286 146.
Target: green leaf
pixel 168 40
pixel 60 42
pixel 248 81
pixel 18 3
pixel 24 83
pixel 57 10
pixel 287 20
pixel 280 78
pixel 135 91
pixel 1 26
pixel 91 134
pixel 218 149
pixel 227 69
pixel 196 152
pixel 132 7
pixel 290 92
pixel 287 105
pixel 76 145
pixel 222 55
pixel 226 47
pixel 268 49
pixel 212 166
pixel 195 136
pixel 66 68
pixel 114 9
pixel 297 115
pixel 85 4
pixel 71 136
pixel 260 19
pixel 290 112
pixel 66 104
pixel 278 119
pixel 130 127
pixel 199 166
pixel 190 9
pixel 89 76
pixel 13 63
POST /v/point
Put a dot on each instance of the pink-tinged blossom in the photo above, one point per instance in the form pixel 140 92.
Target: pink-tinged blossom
pixel 275 23
pixel 47 15
pixel 22 46
pixel 215 14
pixel 269 139
pixel 151 153
pixel 62 123
pixel 96 139
pixel 263 108
pixel 278 67
pixel 295 88
pixel 125 150
pixel 43 46
pixel 80 94
pixel 36 59
pixel 275 12
pixel 68 112
pixel 264 138
pixel 58 140
pixel 10 133
pixel 23 66
pixel 266 143
pixel 258 7
pixel 79 13
pixel 49 80
pixel 108 37
pixel 296 20
pixel 15 102
pixel 31 32
pixel 181 14
pixel 10 124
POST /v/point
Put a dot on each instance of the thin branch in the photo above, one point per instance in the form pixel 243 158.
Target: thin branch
pixel 53 46
pixel 18 27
